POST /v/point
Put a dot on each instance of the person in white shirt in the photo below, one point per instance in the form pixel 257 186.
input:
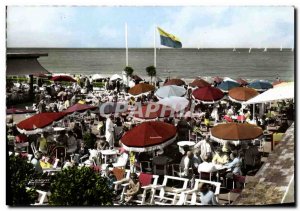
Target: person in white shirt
pixel 186 164
pixel 109 132
pixel 205 148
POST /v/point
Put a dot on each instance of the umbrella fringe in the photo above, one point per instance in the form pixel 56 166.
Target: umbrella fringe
pixel 151 148
pixel 235 142
pixel 208 102
pixel 236 101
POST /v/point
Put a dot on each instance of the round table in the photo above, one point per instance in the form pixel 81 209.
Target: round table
pixel 58 129
pixel 186 143
pixel 183 144
pixel 108 152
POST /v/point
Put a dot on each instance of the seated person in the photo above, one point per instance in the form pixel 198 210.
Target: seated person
pixel 36 162
pixel 235 165
pixel 101 144
pixel 207 197
pixel 133 189
pixel 220 157
pixel 44 162
pixel 62 139
pixel 72 142
pixel 82 151
pixel 42 144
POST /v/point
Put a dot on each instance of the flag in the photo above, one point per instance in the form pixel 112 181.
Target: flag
pixel 169 40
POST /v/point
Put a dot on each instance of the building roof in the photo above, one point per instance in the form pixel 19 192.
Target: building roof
pixel 24 64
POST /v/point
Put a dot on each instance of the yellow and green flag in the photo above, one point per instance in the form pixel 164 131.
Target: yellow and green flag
pixel 168 39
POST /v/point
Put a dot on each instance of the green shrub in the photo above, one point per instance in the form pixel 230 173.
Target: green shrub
pixel 20 172
pixel 80 187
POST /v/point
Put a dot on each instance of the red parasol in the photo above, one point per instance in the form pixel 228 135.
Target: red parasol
pixel 136 78
pixel 199 83
pixel 80 108
pixel 208 94
pixel 175 81
pixel 63 78
pixel 241 118
pixel 149 136
pixel 146 112
pixel 218 79
pixel 141 88
pixel 39 122
pixel 242 81
pixel 228 118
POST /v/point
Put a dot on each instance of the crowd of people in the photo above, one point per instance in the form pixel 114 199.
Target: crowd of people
pixel 91 131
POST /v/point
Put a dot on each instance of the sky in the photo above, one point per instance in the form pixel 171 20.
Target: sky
pixel 196 27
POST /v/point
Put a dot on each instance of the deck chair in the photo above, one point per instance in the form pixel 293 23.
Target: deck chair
pixel 147 182
pixel 192 197
pixel 145 166
pixel 43 198
pixel 235 191
pixel 33 147
pixel 121 161
pixel 121 175
pixel 166 195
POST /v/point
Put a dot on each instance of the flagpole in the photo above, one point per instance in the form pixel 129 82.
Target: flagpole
pixel 154 46
pixel 126 44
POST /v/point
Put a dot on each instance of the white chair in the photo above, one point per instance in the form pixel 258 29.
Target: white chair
pixel 33 148
pixel 192 197
pixel 121 179
pixel 141 198
pixel 43 198
pixel 121 161
pixel 168 195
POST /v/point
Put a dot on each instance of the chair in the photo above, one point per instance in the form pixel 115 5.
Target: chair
pixel 121 161
pixel 121 175
pixel 168 195
pixel 147 181
pixel 205 175
pixel 60 152
pixel 43 197
pixel 145 166
pixel 33 148
pixel 176 170
pixel 191 197
pixel 160 165
pixel 277 137
pixel 236 191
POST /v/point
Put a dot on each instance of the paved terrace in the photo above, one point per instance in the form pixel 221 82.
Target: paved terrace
pixel 274 182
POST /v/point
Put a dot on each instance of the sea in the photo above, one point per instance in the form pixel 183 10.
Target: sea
pixel 185 63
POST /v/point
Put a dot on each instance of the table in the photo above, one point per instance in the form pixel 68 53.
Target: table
pixel 108 152
pixel 182 144
pixel 58 129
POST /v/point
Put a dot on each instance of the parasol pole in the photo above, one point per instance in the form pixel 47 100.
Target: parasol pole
pixel 126 44
pixel 154 46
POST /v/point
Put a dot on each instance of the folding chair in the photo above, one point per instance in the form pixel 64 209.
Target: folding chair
pixel 236 179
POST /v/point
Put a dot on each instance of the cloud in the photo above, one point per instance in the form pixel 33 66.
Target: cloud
pixel 195 26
